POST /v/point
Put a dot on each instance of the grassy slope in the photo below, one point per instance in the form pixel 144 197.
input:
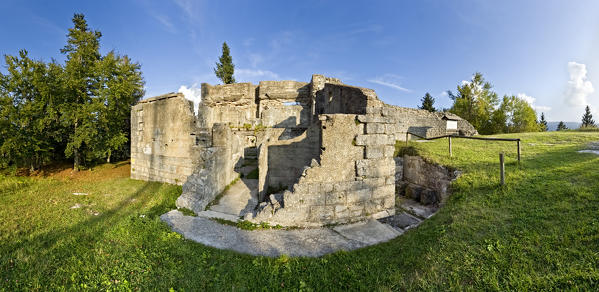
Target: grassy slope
pixel 540 231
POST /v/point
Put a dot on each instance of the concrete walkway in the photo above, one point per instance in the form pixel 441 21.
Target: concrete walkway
pixel 312 242
pixel 309 242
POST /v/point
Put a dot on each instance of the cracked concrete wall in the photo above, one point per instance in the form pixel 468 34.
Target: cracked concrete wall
pixel 229 103
pixel 163 137
pixel 216 172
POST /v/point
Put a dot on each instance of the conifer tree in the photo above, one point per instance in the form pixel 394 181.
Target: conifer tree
pixel 224 67
pixel 561 126
pixel 427 103
pixel 543 123
pixel 587 118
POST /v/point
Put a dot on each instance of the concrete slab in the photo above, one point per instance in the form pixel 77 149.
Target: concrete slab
pixel 273 243
pixel 417 209
pixel 239 199
pixel 402 220
pixel 368 232
pixel 219 215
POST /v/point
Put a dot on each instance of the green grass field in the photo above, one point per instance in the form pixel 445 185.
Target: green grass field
pixel 539 232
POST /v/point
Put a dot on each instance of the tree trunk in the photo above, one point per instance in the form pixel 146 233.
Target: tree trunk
pixel 76 161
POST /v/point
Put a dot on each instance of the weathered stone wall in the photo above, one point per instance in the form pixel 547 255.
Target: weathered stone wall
pixel 215 173
pixel 288 158
pixel 163 139
pixel 354 178
pixel 424 123
pixel 329 144
pixel 422 181
pixel 230 103
pixel 284 104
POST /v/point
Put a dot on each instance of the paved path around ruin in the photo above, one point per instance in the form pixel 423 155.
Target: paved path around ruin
pixel 309 242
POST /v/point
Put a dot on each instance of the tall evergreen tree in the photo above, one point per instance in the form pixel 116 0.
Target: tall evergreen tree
pixel 561 126
pixel 475 102
pixel 587 118
pixel 427 103
pixel 543 123
pixel 81 108
pixel 224 67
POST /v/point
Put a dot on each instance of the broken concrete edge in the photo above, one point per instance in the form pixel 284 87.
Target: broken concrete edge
pixel 301 242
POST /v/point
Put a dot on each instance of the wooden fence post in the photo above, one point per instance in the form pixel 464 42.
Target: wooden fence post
pixel 501 169
pixel 518 150
pixel 407 133
pixel 450 154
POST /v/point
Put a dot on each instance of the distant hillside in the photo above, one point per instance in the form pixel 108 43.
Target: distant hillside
pixel 552 126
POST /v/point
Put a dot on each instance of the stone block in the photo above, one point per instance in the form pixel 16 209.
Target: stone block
pixel 375 167
pixel 321 213
pixel 390 180
pixel 373 206
pixel 374 110
pixel 374 182
pixel 342 211
pixel 358 196
pixel 388 151
pixel 383 191
pixel 374 139
pixel 375 119
pixel 356 210
pixel 429 197
pixel 342 186
pixel 314 188
pixel 326 187
pixel 335 198
pixel 375 128
pixel 374 151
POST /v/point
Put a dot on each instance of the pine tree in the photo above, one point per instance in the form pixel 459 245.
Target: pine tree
pixel 543 123
pixel 427 103
pixel 561 126
pixel 587 118
pixel 224 67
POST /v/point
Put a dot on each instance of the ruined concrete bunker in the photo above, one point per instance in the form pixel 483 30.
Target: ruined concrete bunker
pixel 308 154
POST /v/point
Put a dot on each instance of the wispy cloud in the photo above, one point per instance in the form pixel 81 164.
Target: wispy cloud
pixel 190 8
pixel 389 80
pixel 49 24
pixel 579 87
pixel 165 21
pixel 254 75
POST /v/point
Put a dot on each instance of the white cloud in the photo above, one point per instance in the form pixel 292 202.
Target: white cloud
pixel 579 87
pixel 531 100
pixel 390 80
pixel 193 93
pixel 164 20
pixel 255 59
pixel 253 75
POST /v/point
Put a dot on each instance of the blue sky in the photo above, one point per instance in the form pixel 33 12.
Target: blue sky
pixel 546 51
